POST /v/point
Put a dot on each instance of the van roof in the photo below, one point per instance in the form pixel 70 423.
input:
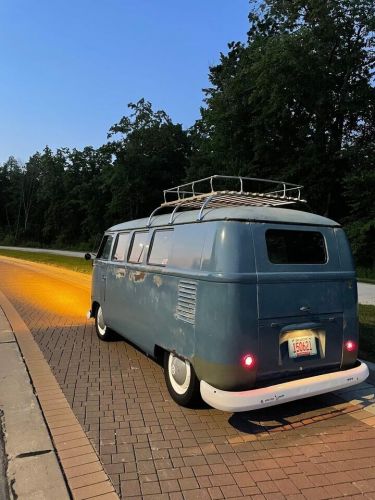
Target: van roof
pixel 254 214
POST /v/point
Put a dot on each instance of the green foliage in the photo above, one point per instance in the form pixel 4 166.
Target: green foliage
pixel 73 263
pixel 294 100
pixel 69 197
pixel 367 332
pixel 362 238
pixel 360 224
pixel 150 154
pixel 366 274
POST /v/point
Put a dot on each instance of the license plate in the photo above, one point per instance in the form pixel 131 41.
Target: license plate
pixel 302 346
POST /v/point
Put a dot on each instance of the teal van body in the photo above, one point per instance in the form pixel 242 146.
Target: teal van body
pixel 258 323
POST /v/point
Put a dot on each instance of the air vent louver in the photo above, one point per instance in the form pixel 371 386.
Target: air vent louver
pixel 186 301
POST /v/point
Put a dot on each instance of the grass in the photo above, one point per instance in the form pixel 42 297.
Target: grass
pixel 73 263
pixel 366 274
pixel 367 332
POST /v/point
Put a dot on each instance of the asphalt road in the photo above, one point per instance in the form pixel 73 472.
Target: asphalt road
pixel 366 294
pixel 314 448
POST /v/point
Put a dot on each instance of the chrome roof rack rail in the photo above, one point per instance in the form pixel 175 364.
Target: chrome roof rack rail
pixel 219 191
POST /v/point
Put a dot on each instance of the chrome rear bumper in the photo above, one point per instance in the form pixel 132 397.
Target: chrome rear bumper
pixel 282 393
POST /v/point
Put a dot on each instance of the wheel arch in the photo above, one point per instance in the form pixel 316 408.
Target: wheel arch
pixel 94 308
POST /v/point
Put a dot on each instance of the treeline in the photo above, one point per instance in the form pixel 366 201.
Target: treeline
pixel 68 198
pixel 295 102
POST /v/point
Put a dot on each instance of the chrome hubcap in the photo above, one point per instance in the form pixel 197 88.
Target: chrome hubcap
pixel 178 370
pixel 100 321
pixel 179 374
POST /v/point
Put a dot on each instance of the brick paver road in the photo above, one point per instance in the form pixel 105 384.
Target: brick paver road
pixel 151 448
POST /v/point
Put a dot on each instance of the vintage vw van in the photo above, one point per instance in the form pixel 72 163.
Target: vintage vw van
pixel 249 304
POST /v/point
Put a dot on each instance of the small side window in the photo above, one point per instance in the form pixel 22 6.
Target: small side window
pixel 161 245
pixel 120 247
pixel 105 247
pixel 138 247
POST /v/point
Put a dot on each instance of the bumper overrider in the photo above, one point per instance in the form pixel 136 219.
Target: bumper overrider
pixel 282 393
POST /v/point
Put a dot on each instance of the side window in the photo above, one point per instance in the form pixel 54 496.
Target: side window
pixel 105 247
pixel 138 247
pixel 161 245
pixel 120 247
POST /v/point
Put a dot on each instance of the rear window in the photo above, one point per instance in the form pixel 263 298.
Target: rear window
pixel 161 245
pixel 295 247
pixel 138 248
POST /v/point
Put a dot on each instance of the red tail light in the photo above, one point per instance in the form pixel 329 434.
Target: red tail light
pixel 248 361
pixel 350 345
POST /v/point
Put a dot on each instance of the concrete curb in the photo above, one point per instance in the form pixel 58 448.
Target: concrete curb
pixel 33 470
pixel 85 476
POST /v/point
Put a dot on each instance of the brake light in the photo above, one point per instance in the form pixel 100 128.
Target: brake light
pixel 350 345
pixel 248 361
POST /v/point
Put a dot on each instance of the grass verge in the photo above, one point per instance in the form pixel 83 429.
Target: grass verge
pixel 367 332
pixel 73 263
pixel 366 274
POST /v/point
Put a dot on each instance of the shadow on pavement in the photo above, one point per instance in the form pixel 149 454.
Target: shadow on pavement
pixel 290 415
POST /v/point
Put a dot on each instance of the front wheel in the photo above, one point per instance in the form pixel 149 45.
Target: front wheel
pixel 102 330
pixel 182 383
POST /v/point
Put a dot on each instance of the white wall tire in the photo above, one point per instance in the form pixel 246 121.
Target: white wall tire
pixel 102 330
pixel 182 383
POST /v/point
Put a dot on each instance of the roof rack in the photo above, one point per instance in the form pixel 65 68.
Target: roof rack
pixel 213 192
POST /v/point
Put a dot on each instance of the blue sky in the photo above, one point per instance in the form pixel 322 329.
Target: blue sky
pixel 69 68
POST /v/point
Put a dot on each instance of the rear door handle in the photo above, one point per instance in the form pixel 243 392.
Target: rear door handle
pixel 304 308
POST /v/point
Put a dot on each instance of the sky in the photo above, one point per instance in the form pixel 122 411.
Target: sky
pixel 68 68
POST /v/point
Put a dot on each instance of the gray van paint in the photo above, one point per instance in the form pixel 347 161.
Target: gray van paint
pixel 242 302
pixel 258 214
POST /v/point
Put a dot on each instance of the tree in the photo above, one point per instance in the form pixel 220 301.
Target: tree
pixel 85 216
pixel 11 192
pixel 293 100
pixel 30 181
pixel 150 154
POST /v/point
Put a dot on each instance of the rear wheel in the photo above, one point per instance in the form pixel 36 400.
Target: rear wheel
pixel 182 383
pixel 102 330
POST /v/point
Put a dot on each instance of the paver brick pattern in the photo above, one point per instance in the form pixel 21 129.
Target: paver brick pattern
pixel 152 448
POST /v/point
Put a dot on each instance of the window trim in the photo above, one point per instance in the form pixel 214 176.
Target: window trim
pixel 166 229
pixel 131 247
pixel 102 246
pixel 115 247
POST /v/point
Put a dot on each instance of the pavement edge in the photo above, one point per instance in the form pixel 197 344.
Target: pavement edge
pixel 79 462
